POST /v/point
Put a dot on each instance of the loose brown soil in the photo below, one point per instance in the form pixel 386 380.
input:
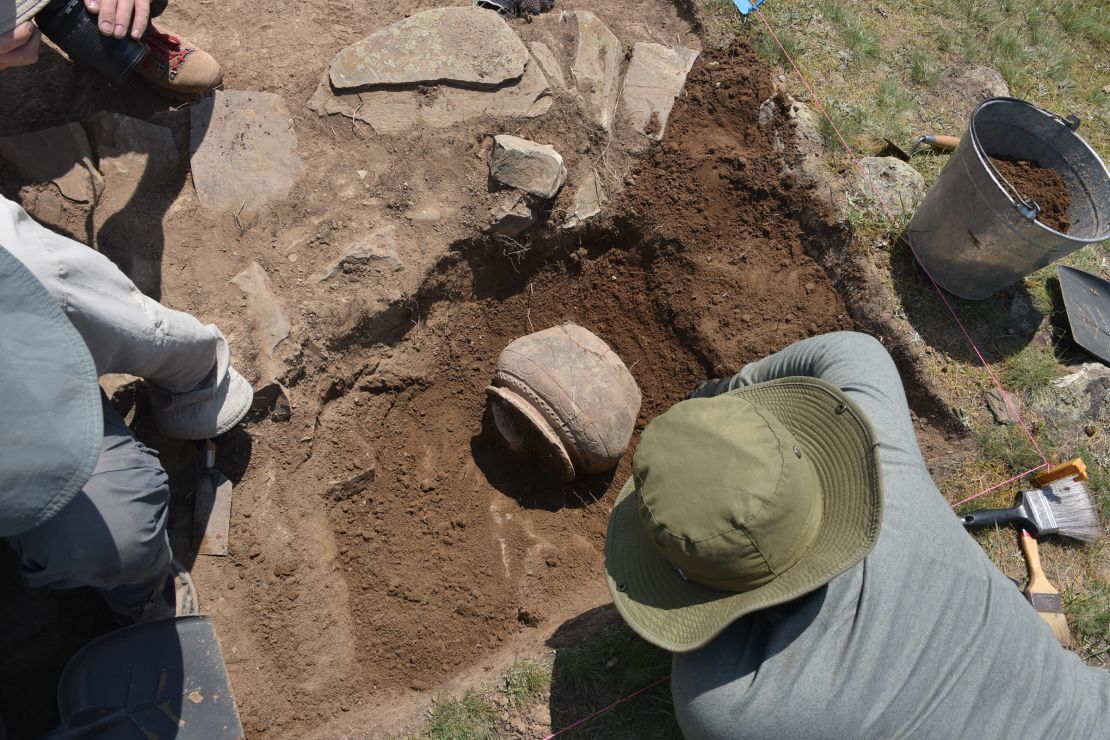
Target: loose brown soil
pixel 1043 185
pixel 381 544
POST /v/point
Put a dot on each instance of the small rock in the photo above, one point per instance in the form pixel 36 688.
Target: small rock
pixel 377 251
pixel 270 321
pixel 549 64
pixel 463 45
pixel 534 168
pixel 60 155
pixel 512 215
pixel 900 186
pixel 243 150
pixel 1000 406
pixel 655 77
pixel 597 65
pixel 427 214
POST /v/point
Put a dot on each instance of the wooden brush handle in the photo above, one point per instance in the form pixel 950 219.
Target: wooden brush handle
pixel 1038 581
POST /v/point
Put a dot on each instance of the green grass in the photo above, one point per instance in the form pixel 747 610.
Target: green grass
pixel 1088 613
pixel 471 717
pixel 526 682
pixel 1032 369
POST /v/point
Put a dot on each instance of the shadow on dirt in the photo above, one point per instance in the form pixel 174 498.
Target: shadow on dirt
pixel 526 481
pixel 1001 325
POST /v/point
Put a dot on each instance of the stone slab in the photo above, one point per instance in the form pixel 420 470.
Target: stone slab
pixel 270 321
pixel 244 151
pixel 534 168
pixel 60 155
pixel 654 79
pixel 597 65
pixel 542 53
pixel 397 111
pixel 588 197
pixel 466 45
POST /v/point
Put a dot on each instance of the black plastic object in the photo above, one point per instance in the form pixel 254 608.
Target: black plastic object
pixel 999 518
pixel 1087 301
pixel 69 25
pixel 164 679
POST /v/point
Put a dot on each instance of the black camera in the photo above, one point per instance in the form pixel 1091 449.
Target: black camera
pixel 69 25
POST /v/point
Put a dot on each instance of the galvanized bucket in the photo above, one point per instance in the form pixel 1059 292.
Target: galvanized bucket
pixel 974 234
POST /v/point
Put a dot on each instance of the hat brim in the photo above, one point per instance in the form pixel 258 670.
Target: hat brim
pixel 24 10
pixel 679 615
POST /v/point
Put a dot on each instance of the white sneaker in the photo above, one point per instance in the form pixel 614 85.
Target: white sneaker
pixel 212 409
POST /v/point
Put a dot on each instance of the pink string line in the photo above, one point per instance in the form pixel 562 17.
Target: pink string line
pixel 902 225
pixel 985 491
pixel 603 710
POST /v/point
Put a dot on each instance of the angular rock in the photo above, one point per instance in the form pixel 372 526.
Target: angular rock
pixel 1000 403
pixel 244 151
pixel 549 64
pixel 378 251
pixel 272 400
pixel 597 65
pixel 395 111
pixel 900 186
pixel 587 201
pixel 60 155
pixel 270 321
pixel 654 79
pixel 512 215
pixel 465 45
pixel 534 168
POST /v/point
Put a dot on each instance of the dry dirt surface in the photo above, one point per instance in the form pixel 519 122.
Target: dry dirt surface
pixel 381 544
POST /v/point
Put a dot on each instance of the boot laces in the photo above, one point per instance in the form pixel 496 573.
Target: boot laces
pixel 165 51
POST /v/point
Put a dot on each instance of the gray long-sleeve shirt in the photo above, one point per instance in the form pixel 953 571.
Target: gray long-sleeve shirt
pixel 923 638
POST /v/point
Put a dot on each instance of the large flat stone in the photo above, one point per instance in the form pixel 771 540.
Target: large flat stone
pixel 244 151
pixel 654 79
pixel 462 45
pixel 396 111
pixel 60 155
pixel 534 168
pixel 597 65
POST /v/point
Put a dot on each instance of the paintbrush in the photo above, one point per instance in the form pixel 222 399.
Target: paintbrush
pixel 1044 597
pixel 1062 507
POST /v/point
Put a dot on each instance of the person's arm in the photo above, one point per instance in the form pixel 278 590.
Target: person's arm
pixel 115 16
pixel 20 46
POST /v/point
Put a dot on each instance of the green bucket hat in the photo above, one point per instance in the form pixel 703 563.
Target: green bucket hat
pixel 738 503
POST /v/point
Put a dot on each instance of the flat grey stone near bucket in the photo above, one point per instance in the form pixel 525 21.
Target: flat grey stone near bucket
pixel 973 236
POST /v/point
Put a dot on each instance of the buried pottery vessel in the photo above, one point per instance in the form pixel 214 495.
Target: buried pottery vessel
pixel 562 396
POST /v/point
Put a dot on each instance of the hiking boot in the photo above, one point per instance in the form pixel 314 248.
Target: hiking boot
pixel 176 66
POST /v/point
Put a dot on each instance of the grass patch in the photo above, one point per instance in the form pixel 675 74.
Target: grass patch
pixel 1032 369
pixel 526 682
pixel 1088 612
pixel 471 717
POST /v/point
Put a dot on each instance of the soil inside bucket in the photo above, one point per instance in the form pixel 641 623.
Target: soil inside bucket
pixel 1043 185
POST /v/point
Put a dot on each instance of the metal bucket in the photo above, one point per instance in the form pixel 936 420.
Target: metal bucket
pixel 973 235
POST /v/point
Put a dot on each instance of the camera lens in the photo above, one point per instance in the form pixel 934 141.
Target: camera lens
pixel 69 25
